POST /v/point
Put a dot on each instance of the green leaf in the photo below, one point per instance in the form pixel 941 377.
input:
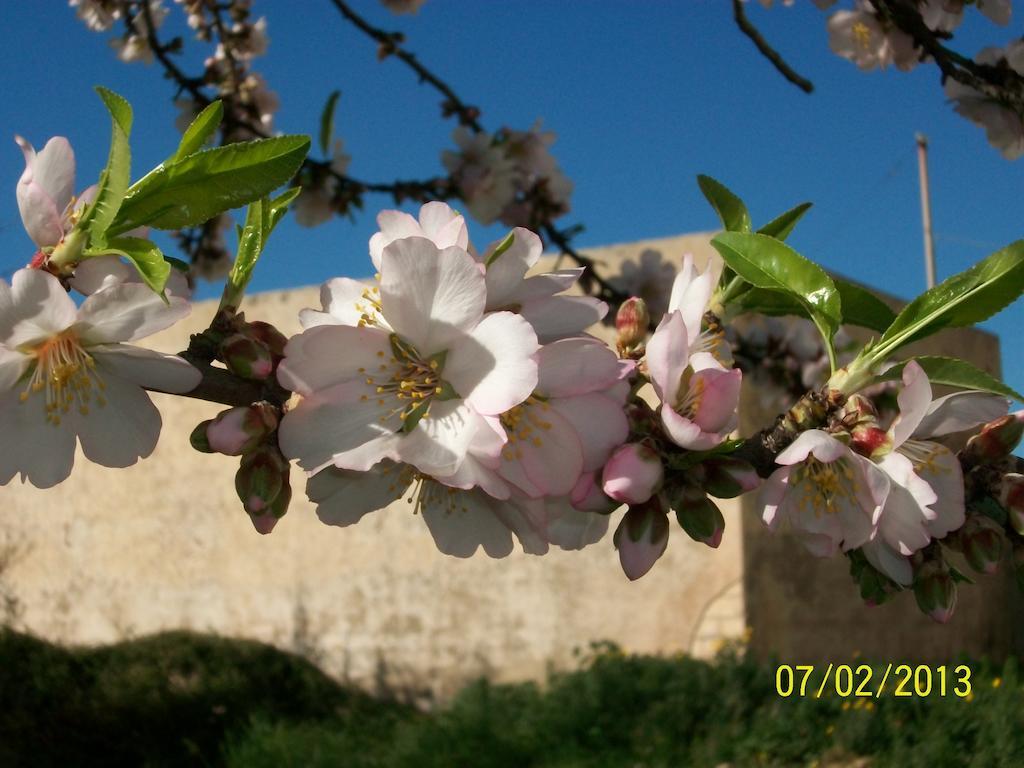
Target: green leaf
pixel 964 299
pixel 327 122
pixel 863 308
pixel 782 225
pixel 767 263
pixel 113 183
pixel 859 306
pixel 730 209
pixel 200 131
pixel 144 256
pixel 278 208
pixel 954 372
pixel 198 187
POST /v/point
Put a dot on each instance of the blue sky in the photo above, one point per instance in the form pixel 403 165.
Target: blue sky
pixel 643 96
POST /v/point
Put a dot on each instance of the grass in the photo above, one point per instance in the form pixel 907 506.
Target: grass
pixel 186 699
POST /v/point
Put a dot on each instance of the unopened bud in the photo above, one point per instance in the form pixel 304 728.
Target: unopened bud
pixel 1011 498
pixel 726 478
pixel 935 590
pixel 997 438
pixel 260 478
pixel 633 474
pixel 698 515
pixel 264 523
pixel 632 322
pixel 269 336
pixel 199 439
pixel 641 538
pixel 246 357
pixel 981 540
pixel 239 430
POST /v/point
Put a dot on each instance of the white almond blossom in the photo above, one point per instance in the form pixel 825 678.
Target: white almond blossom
pixel 926 490
pixel 860 36
pixel 1003 122
pixel 67 375
pixel 483 172
pixel 418 390
pixel 830 496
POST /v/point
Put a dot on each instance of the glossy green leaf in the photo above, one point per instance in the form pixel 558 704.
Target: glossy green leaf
pixel 327 122
pixel 113 183
pixel 730 209
pixel 861 307
pixel 279 207
pixel 782 225
pixel 153 268
pixel 964 299
pixel 207 183
pixel 770 264
pixel 199 132
pixel 954 372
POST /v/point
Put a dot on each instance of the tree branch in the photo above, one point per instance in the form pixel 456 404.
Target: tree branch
pixel 390 45
pixel 747 28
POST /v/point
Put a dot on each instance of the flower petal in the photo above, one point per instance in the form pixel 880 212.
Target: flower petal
pixel 123 430
pixel 546 449
pixel 913 399
pixel 887 560
pixel 339 298
pixel 941 471
pixel 37 306
pixel 444 225
pixel 494 366
pixel 462 522
pixel 12 366
pixel 325 355
pixel 338 426
pixel 146 368
pixel 506 273
pixel 691 293
pixel 394 225
pixel 668 354
pixel 902 523
pixel 430 297
pixel 127 312
pixel 440 441
pixel 37 450
pixel 343 497
pixel 53 169
pixel 824 447
pixel 561 316
pixel 716 411
pixel 960 411
pixel 571 529
pixel 599 422
pixel 576 366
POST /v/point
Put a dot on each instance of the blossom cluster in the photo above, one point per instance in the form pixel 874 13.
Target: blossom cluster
pixel 466 383
pixel 867 36
pixel 510 176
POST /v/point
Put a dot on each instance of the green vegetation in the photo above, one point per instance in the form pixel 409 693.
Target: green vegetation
pixel 186 699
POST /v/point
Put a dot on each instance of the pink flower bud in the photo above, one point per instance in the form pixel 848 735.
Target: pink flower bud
pixel 632 322
pixel 264 523
pixel 260 478
pixel 633 474
pixel 1011 498
pixel 268 335
pixel 641 538
pixel 981 540
pixel 935 590
pixel 997 438
pixel 239 430
pixel 246 357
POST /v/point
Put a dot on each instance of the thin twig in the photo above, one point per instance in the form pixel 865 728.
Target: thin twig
pixel 747 28
pixel 390 43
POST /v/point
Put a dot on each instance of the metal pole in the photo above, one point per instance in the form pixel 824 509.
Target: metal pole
pixel 926 209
